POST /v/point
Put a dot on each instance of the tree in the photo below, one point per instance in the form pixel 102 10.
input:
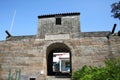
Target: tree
pixel 116 10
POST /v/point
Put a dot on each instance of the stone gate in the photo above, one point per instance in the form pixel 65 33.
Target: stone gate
pixel 41 56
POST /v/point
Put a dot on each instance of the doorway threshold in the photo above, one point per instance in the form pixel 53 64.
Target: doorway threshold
pixel 57 78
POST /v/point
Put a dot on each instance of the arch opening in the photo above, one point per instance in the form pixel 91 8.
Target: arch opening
pixel 58 60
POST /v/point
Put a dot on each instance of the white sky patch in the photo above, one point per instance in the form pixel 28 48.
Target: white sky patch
pixel 12 21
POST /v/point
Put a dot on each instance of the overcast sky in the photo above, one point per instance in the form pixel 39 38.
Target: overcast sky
pixel 20 17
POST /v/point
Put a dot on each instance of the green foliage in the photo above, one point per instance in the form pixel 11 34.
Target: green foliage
pixel 111 71
pixel 0 67
pixel 116 10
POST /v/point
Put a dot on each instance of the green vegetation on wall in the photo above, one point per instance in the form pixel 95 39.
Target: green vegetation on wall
pixel 0 67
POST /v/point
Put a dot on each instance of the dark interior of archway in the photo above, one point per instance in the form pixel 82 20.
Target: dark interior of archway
pixel 54 49
pixel 32 79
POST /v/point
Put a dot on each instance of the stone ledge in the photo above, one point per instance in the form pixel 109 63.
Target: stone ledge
pixel 57 36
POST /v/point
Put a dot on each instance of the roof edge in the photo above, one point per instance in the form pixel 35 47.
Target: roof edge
pixel 59 14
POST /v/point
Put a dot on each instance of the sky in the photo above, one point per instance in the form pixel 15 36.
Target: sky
pixel 20 17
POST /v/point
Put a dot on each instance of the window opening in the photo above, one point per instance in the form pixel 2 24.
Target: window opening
pixel 58 21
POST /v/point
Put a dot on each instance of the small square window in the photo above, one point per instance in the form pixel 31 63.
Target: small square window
pixel 58 21
pixel 32 78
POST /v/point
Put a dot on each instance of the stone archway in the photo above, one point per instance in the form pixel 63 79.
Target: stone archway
pixel 52 50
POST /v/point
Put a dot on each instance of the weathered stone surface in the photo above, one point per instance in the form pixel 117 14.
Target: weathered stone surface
pixel 69 24
pixel 57 36
pixel 30 53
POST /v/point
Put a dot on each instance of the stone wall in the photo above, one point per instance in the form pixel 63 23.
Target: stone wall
pixel 93 51
pixel 26 55
pixel 29 55
pixel 47 25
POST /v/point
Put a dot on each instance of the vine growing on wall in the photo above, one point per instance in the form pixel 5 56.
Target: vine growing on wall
pixel 0 67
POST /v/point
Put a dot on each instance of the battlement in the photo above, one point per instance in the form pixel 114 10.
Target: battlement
pixel 90 34
pixel 62 36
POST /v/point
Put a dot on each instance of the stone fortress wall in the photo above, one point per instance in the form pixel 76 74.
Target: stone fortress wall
pixel 29 53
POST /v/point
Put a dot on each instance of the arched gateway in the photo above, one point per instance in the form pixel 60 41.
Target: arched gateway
pixel 58 59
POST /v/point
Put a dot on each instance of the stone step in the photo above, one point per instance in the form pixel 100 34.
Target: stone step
pixel 58 79
pixel 54 78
